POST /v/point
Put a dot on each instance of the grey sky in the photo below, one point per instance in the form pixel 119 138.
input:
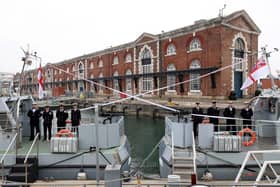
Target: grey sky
pixel 62 29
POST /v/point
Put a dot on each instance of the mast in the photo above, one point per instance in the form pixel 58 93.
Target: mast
pixel 267 54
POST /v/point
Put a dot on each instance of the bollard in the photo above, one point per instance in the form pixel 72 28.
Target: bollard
pixel 138 177
pixel 137 112
pixel 193 178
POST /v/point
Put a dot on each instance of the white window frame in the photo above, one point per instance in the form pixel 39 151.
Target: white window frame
pixel 195 45
pixel 195 85
pixel 116 82
pixel 171 79
pixel 81 71
pixel 128 81
pixel 170 50
pixel 115 60
pixel 128 58
pixel 91 65
pixel 100 63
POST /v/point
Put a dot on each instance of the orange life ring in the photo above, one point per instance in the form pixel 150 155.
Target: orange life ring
pixel 253 136
pixel 64 132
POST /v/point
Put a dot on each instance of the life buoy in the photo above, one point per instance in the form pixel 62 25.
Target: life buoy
pixel 64 133
pixel 252 139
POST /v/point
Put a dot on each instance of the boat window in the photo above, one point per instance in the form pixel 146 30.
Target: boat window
pixel 272 105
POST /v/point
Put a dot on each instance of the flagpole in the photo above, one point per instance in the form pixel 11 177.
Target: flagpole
pixel 270 74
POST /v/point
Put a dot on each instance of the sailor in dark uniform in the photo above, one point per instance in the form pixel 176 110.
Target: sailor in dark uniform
pixel 247 113
pixel 230 112
pixel 75 117
pixel 214 111
pixel 196 119
pixel 34 114
pixel 48 117
pixel 61 116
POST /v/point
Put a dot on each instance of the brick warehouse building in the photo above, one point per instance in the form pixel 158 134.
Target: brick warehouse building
pixel 153 61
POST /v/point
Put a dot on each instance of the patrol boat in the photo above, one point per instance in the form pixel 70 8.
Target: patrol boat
pixel 100 145
pixel 220 155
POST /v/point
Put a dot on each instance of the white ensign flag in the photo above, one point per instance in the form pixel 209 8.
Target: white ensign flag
pixel 261 70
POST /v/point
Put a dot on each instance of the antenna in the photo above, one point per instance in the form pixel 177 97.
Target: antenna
pixel 221 11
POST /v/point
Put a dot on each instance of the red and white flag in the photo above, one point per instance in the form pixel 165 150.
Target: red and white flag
pixel 260 70
pixel 40 81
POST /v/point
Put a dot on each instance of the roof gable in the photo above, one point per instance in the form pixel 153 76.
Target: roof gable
pixel 243 20
pixel 145 37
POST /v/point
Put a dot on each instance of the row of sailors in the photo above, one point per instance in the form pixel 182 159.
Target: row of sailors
pixel 35 114
pixel 230 112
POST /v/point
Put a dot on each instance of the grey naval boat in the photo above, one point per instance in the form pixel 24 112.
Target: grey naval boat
pixel 66 156
pixel 220 155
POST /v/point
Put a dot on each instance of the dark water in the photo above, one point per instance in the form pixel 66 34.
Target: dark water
pixel 143 134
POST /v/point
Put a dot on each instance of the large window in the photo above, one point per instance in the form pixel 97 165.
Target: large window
pixel 81 71
pixel 171 79
pixel 195 84
pixel 195 44
pixel 146 68
pixel 128 80
pixel 115 82
pixel 239 48
pixel 100 82
pixel 171 49
pixel 116 60
pixel 128 58
pixel 100 63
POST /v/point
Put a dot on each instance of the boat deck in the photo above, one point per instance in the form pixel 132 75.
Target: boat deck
pixel 145 183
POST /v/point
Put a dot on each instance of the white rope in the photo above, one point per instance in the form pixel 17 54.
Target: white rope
pixel 119 92
pixel 151 91
pixel 175 84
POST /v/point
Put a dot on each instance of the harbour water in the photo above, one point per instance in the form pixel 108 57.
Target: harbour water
pixel 143 134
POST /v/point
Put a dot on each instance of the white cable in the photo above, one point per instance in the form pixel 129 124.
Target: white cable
pixel 151 91
pixel 119 92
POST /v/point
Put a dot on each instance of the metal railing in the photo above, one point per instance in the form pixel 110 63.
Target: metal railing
pixel 252 154
pixel 35 141
pixel 172 149
pixel 263 169
pixel 194 155
pixel 4 155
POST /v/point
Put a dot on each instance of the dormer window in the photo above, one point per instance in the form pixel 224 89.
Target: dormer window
pixel 195 45
pixel 171 49
pixel 128 58
pixel 116 60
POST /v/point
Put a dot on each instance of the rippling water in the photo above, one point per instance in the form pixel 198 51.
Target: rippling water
pixel 143 134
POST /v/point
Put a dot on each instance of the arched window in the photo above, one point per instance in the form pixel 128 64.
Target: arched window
pixel 100 63
pixel 116 60
pixel 195 84
pixel 91 65
pixel 115 81
pixel 171 49
pixel 128 58
pixel 49 75
pixel 171 78
pixel 195 44
pixel 128 80
pixel 91 76
pixel 81 71
pixel 146 68
pixel 239 48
